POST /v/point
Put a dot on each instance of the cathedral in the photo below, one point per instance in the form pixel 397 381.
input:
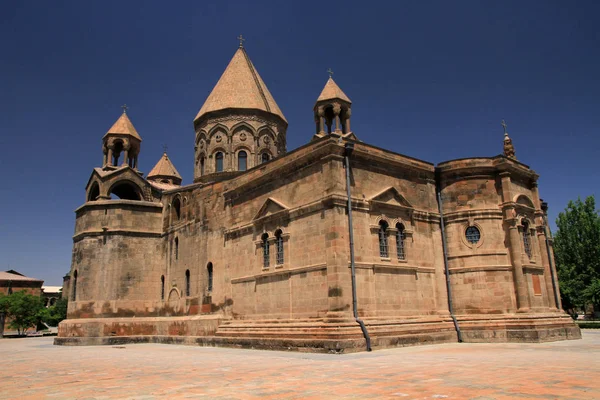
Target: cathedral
pixel 337 246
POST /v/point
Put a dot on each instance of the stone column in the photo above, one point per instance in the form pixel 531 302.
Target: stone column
pixel 514 239
pixel 517 263
pixel 110 154
pixel 347 124
pixel 125 155
pixel 541 234
pixel 553 266
pixel 321 116
pixel 337 109
pixel 104 150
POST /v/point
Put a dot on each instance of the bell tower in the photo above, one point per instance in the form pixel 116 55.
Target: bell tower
pixel 332 111
pixel 121 138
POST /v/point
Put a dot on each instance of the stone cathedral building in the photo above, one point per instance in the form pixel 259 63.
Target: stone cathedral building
pixel 261 251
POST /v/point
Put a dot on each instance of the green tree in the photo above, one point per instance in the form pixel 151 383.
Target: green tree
pixel 577 253
pixel 4 305
pixel 23 310
pixel 56 313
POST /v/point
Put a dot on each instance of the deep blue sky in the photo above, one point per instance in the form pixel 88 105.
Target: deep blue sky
pixel 428 79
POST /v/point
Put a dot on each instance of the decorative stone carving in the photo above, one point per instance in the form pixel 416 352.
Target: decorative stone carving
pixel 243 136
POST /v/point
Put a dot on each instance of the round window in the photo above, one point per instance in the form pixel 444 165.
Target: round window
pixel 472 234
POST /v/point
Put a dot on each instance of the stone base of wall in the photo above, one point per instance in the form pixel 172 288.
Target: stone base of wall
pixel 325 335
pixel 524 328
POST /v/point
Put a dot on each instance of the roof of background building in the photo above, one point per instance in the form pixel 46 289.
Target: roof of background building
pixel 13 275
pixel 164 167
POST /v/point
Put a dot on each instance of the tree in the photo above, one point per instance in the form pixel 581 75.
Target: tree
pixel 577 253
pixel 4 304
pixel 56 313
pixel 22 310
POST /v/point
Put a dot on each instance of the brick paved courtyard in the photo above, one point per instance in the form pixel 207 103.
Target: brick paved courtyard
pixel 33 368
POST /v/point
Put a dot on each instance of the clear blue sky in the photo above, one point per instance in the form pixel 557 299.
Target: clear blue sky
pixel 430 79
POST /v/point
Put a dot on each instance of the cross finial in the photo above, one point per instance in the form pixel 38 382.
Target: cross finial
pixel 504 126
pixel 124 107
pixel 330 72
pixel 165 147
pixel 241 39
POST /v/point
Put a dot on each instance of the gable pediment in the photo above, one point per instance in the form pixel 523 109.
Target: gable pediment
pixel 390 197
pixel 270 207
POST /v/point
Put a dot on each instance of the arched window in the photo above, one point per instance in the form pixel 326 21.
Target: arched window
pixel 187 282
pixel 176 249
pixel 526 238
pixel 265 157
pixel 74 291
pixel 219 162
pixel 176 209
pixel 265 248
pixel 94 192
pixel 125 191
pixel 279 242
pixel 242 161
pixel 162 287
pixel 117 149
pixel 383 244
pixel 400 236
pixel 202 166
pixel 209 269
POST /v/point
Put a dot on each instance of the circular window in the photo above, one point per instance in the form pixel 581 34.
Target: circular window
pixel 472 234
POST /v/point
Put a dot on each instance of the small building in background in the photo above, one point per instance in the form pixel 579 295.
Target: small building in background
pixel 12 281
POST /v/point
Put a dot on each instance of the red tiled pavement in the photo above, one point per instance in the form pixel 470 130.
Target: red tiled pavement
pixel 34 369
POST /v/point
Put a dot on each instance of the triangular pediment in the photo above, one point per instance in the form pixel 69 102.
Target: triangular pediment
pixel 391 196
pixel 270 207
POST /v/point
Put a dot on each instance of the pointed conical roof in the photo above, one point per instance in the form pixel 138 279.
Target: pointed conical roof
pixel 164 168
pixel 332 91
pixel 240 86
pixel 123 126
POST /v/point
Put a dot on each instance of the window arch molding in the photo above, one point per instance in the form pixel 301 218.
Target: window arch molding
pixel 243 126
pixel 219 128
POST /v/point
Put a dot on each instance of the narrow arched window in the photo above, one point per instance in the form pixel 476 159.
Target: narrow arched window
pixel 242 161
pixel 177 209
pixel 176 249
pixel 209 269
pixel 187 282
pixel 265 157
pixel 265 249
pixel 74 291
pixel 202 166
pixel 279 242
pixel 219 162
pixel 400 236
pixel 162 287
pixel 383 244
pixel 526 238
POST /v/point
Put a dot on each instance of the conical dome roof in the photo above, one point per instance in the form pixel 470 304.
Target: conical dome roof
pixel 164 168
pixel 332 91
pixel 240 86
pixel 123 126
